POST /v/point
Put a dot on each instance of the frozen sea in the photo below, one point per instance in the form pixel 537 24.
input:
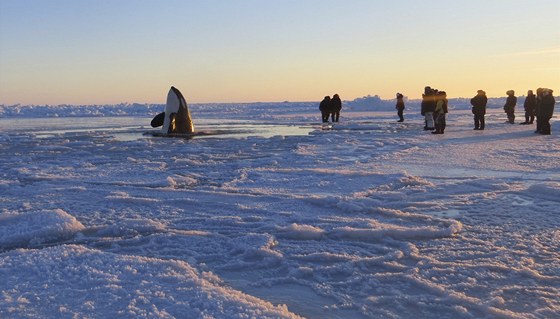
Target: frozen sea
pixel 267 215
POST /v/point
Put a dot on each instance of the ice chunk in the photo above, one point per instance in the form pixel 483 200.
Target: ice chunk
pixel 36 228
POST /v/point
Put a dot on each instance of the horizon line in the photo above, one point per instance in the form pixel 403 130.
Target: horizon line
pixel 252 102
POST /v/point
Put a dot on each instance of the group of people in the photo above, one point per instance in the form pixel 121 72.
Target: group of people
pixel 330 107
pixel 539 106
pixel 434 108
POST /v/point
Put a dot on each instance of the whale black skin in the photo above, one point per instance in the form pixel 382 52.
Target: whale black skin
pixel 183 120
pixel 176 118
pixel 157 121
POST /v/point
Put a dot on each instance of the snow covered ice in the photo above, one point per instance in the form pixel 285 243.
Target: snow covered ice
pixel 274 217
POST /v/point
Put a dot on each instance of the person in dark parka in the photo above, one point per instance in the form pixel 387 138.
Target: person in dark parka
pixel 439 112
pixel 538 109
pixel 509 107
pixel 336 106
pixel 427 108
pixel 479 109
pixel 547 110
pixel 529 105
pixel 400 107
pixel 325 108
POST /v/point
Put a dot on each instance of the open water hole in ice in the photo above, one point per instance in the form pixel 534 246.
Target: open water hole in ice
pixel 133 128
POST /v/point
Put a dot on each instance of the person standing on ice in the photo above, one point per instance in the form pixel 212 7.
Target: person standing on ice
pixel 439 112
pixel 336 106
pixel 547 110
pixel 479 109
pixel 538 109
pixel 427 108
pixel 529 105
pixel 400 107
pixel 325 108
pixel 509 107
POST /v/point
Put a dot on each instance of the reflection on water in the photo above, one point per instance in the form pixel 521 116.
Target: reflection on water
pixel 133 128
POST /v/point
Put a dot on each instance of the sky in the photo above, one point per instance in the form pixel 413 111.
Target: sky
pixel 106 51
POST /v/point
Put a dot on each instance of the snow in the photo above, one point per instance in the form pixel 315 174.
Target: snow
pixel 94 282
pixel 37 227
pixel 269 216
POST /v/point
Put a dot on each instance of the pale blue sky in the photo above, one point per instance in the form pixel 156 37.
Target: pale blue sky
pixel 107 51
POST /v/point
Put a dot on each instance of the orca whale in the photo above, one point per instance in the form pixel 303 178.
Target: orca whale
pixel 176 118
